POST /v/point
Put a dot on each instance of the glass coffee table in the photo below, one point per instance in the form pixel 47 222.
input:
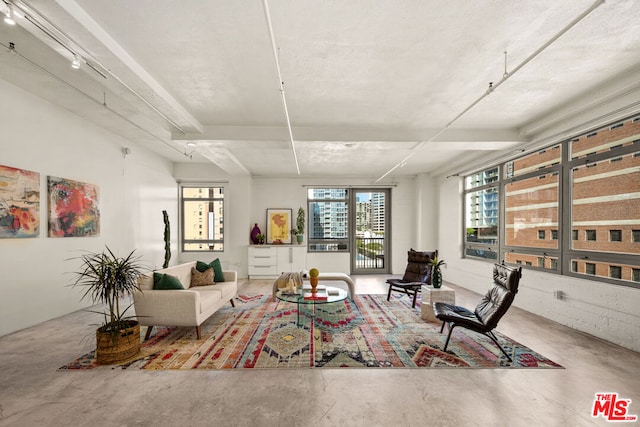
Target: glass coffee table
pixel 304 297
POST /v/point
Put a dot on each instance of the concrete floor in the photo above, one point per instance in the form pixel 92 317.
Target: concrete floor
pixel 34 393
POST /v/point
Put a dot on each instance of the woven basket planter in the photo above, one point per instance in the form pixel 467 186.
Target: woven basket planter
pixel 117 347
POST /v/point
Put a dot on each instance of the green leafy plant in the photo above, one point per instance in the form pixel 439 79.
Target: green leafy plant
pixel 300 221
pixel 436 274
pixel 436 263
pixel 108 279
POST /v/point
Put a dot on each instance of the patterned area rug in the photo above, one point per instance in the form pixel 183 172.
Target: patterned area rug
pixel 370 333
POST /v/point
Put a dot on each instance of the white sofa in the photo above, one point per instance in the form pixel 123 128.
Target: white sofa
pixel 175 307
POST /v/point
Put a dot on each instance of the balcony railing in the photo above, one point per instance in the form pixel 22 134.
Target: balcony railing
pixel 370 253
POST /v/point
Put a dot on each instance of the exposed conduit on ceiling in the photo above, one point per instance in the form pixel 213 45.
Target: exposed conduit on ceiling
pixel 11 48
pixel 39 21
pixel 281 84
pixel 493 87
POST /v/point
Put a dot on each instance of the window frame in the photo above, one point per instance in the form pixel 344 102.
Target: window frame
pixel 615 235
pixel 480 247
pixel 552 169
pixel 182 200
pixel 343 243
pixel 616 268
pixel 565 254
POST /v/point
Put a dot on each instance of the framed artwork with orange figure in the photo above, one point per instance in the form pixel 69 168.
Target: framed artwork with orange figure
pixel 279 226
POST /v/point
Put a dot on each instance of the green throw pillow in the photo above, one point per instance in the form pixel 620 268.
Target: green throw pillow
pixel 166 281
pixel 217 269
pixel 202 266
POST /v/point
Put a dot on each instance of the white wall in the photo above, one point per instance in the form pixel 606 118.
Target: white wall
pixel 41 137
pixel 247 199
pixel 600 309
pixel 426 211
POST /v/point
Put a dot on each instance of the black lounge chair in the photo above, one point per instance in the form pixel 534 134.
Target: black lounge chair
pixel 489 311
pixel 417 273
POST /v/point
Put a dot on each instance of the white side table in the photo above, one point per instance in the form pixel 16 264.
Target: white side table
pixel 430 295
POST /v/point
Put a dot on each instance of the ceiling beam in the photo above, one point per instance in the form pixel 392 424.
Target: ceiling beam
pixel 281 133
pixel 184 120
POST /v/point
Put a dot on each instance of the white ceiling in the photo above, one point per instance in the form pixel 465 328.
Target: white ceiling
pixel 369 85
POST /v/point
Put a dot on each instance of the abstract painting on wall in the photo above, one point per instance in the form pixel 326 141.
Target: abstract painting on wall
pixel 19 203
pixel 73 208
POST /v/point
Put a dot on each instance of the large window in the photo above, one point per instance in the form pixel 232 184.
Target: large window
pixel 328 212
pixel 605 201
pixel 481 219
pixel 531 220
pixel 571 208
pixel 202 216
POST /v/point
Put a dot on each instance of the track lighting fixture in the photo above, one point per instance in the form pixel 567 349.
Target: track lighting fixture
pixel 10 16
pixel 75 64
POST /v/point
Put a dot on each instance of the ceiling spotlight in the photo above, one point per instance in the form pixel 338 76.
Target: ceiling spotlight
pixel 9 17
pixel 75 64
pixel 191 144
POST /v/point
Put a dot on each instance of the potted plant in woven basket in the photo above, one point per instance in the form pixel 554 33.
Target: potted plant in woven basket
pixel 108 279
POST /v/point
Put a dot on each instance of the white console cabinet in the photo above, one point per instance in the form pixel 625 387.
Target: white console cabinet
pixel 269 261
pixel 292 258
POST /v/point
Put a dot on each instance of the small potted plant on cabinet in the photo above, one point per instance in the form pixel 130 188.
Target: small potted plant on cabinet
pixel 299 230
pixel 108 279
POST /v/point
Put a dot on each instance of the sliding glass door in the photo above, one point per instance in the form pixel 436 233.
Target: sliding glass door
pixel 370 231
